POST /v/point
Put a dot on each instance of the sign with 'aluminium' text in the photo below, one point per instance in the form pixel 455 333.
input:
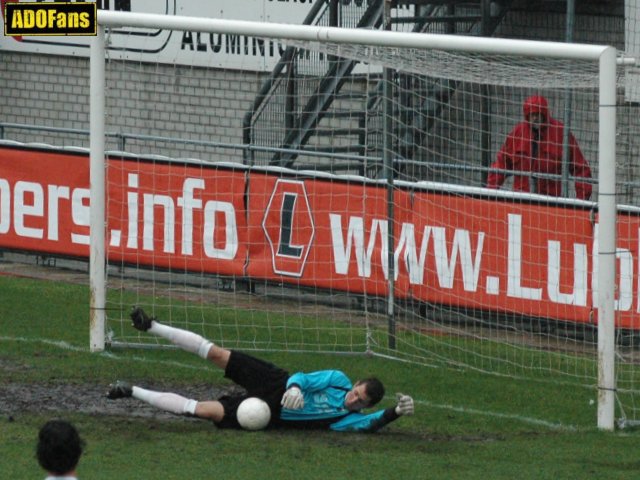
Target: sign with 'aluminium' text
pixel 209 50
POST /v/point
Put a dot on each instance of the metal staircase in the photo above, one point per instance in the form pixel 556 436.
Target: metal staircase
pixel 319 112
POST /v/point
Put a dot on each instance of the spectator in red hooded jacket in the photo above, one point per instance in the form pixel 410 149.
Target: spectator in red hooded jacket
pixel 535 145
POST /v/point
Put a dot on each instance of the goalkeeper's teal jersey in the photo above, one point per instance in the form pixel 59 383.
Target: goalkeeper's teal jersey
pixel 324 394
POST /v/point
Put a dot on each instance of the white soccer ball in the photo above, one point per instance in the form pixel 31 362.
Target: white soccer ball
pixel 253 414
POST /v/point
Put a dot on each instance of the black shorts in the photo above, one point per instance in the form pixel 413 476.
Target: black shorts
pixel 260 379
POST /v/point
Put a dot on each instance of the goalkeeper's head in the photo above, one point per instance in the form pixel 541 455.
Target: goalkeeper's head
pixel 364 394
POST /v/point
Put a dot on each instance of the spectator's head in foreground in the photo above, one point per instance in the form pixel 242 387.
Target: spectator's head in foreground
pixel 59 447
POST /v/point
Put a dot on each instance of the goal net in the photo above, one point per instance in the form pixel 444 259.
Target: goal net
pixel 311 189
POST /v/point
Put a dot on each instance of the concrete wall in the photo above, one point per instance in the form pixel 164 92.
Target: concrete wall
pixel 147 99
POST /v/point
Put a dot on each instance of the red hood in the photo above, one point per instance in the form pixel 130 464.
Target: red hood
pixel 536 103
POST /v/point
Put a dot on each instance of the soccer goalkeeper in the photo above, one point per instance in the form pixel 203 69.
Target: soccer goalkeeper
pixel 319 400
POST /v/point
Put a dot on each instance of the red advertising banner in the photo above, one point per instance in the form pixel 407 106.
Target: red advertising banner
pixel 323 232
pixel 177 216
pixel 44 201
pixel 320 233
pixel 628 271
pixel 503 256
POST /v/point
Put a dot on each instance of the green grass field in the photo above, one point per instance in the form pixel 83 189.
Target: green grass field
pixel 467 425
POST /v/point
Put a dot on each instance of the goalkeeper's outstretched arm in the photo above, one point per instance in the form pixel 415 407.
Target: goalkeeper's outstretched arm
pixel 360 422
pixel 404 406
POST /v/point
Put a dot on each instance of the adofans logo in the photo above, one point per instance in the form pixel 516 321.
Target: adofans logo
pixel 77 18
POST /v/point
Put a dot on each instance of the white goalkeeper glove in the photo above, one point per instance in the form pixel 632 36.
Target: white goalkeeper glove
pixel 404 405
pixel 293 399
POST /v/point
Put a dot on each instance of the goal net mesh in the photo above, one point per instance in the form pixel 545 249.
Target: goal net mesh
pixel 317 197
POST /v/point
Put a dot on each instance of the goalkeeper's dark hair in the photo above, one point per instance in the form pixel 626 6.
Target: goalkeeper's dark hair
pixel 375 390
pixel 59 447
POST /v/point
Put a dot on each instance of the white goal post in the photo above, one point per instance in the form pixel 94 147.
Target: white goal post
pixel 603 56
